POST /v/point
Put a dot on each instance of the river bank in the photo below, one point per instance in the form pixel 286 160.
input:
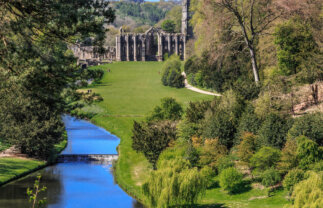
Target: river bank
pixel 14 167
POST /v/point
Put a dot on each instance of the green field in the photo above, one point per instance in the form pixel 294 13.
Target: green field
pixel 130 91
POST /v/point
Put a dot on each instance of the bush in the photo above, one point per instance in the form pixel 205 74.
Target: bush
pixel 168 110
pixel 168 26
pixel 172 75
pixel 212 151
pixel 270 177
pixel 309 125
pixel 231 180
pixel 225 162
pixel 307 152
pixel 195 112
pixel 292 178
pixel 273 131
pixel 249 122
pixel 265 158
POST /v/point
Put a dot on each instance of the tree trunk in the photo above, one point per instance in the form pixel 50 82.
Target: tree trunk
pixel 254 64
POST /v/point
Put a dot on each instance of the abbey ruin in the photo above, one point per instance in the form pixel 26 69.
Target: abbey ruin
pixel 149 46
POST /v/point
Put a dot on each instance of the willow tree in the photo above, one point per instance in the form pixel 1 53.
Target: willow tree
pixel 36 66
pixel 175 184
pixel 254 17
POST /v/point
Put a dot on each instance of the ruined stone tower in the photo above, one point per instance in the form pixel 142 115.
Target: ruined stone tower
pixel 186 29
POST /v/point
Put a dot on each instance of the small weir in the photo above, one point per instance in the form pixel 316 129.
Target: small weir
pixel 98 158
pixel 82 176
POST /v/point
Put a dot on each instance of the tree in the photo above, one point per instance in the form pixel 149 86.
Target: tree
pixel 169 110
pixel 307 152
pixel 231 180
pixel 289 158
pixel 265 158
pixel 247 147
pixel 36 66
pixel 292 178
pixel 175 183
pixel 153 138
pixel 212 151
pixel 168 26
pixel 253 17
pixel 273 131
pixel 270 177
pixel 171 73
pixel 309 125
pixel 295 45
pixel 308 193
pixel 195 112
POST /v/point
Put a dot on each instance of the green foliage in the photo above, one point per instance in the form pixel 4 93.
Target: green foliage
pixel 220 126
pixel 33 194
pixel 171 73
pixel 273 131
pixel 265 158
pixel 231 180
pixel 248 122
pixel 168 26
pixel 270 177
pixel 195 112
pixel 309 125
pixel 307 152
pixel 289 158
pixel 295 44
pixel 169 110
pixel 144 13
pixel 36 67
pixel 153 138
pixel 309 193
pixel 174 183
pixel 192 155
pixel 292 178
pixel 224 163
pixel 247 147
pixel 211 152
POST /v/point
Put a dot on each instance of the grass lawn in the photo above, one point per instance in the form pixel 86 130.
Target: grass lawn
pixel 130 91
pixel 11 167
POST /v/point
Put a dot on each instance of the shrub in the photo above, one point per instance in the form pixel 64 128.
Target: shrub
pixel 273 131
pixel 248 122
pixel 292 178
pixel 307 152
pixel 225 162
pixel 265 158
pixel 247 147
pixel 231 180
pixel 196 111
pixel 168 26
pixel 309 125
pixel 289 158
pixel 171 75
pixel 212 151
pixel 270 177
pixel 153 138
pixel 309 193
pixel 168 110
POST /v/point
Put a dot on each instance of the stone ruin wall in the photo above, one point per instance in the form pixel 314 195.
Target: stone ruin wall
pixel 149 46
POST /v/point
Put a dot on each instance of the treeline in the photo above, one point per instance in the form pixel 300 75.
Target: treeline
pixel 38 74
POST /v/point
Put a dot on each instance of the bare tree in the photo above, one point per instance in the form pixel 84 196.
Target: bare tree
pixel 253 17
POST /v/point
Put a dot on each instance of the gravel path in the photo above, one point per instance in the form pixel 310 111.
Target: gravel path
pixel 190 87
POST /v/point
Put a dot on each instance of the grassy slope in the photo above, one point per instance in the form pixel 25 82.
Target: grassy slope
pixel 130 91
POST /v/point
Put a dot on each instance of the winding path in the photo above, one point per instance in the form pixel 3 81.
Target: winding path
pixel 190 87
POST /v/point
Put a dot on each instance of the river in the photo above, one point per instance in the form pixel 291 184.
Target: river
pixel 75 184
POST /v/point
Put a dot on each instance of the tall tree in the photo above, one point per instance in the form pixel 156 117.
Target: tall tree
pixel 253 17
pixel 36 66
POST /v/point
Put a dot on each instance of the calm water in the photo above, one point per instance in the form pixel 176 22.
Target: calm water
pixel 75 184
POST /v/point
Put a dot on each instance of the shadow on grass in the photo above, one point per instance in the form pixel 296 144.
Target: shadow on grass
pixel 245 186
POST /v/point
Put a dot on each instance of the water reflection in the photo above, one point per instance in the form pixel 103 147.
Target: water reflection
pixel 75 184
